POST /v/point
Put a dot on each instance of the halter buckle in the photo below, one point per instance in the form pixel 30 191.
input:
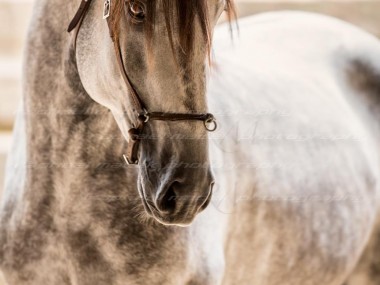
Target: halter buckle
pixel 106 9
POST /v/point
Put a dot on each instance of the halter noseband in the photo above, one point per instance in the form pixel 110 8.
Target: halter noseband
pixel 143 116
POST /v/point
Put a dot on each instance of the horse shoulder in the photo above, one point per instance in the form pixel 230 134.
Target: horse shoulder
pixel 16 163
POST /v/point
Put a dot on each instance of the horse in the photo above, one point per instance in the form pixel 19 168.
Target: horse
pixel 115 177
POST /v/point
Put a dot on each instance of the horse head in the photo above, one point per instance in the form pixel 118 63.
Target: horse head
pixel 146 63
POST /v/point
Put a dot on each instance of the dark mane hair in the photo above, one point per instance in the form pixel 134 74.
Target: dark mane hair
pixel 178 13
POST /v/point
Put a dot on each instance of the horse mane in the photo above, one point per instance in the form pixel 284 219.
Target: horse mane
pixel 185 12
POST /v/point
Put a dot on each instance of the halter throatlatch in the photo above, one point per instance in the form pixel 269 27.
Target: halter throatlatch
pixel 143 117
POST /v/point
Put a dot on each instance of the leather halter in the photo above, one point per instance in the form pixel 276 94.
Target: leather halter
pixel 142 115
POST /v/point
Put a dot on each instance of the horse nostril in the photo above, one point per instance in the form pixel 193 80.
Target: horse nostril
pixel 167 202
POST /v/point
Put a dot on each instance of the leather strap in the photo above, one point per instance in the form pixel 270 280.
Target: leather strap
pixel 77 21
pixel 136 134
pixel 160 116
pixel 82 10
pixel 138 105
pixel 143 116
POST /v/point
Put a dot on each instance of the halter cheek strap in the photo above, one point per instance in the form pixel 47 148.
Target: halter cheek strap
pixel 142 115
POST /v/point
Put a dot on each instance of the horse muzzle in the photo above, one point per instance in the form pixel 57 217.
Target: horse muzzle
pixel 177 203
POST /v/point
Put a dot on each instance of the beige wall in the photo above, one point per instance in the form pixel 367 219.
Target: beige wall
pixel 365 14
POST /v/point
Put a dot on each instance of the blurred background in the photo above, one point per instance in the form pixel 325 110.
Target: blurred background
pixel 15 15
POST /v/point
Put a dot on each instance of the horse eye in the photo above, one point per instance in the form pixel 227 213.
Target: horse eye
pixel 137 10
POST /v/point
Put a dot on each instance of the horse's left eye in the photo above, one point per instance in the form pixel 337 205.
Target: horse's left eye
pixel 137 10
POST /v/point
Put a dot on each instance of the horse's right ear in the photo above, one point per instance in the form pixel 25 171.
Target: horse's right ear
pixel 79 15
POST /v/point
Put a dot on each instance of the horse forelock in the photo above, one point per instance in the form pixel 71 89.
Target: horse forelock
pixel 179 18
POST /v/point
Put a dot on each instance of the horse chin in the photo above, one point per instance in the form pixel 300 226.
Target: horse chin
pixel 174 224
pixel 168 223
pixel 161 220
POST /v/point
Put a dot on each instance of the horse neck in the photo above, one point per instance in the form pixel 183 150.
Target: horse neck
pixel 69 136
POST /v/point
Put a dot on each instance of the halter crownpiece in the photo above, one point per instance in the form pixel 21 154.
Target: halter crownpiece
pixel 143 117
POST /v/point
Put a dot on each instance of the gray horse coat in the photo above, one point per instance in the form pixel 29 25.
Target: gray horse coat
pixel 295 162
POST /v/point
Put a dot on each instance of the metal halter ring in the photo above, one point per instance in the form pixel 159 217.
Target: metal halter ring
pixel 210 124
pixel 144 117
